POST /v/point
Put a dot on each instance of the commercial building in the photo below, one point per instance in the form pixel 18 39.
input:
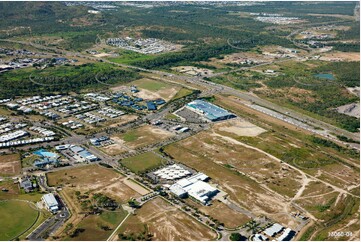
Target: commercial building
pixel 195 187
pixel 50 202
pixel 259 237
pixel 82 153
pixel 172 172
pixel 151 106
pixel 287 235
pixel 209 110
pixel 274 229
pixel 87 155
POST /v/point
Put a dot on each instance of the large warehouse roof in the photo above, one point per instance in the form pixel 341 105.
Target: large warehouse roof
pixel 50 201
pixel 195 187
pixel 209 110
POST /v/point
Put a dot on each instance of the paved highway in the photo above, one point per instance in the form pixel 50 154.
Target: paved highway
pixel 218 88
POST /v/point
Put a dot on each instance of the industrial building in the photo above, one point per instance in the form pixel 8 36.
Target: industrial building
pixel 209 110
pixel 194 187
pixel 287 235
pixel 50 202
pixel 83 153
pixel 172 172
pixel 273 230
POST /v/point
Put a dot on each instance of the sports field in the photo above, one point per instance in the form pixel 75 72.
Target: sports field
pixel 16 218
pixel 143 162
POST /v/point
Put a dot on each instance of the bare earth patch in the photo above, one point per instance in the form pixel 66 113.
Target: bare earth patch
pixel 167 223
pixel 115 149
pixel 10 164
pixel 340 56
pixel 141 190
pixel 239 127
pixel 88 177
pixel 352 109
pixel 121 190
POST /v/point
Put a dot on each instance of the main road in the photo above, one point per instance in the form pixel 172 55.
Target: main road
pixel 219 88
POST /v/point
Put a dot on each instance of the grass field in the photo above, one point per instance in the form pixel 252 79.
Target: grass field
pixel 128 57
pixel 152 89
pixel 165 222
pixel 151 85
pixel 182 93
pixel 10 164
pixel 16 218
pixel 144 135
pixel 93 224
pixel 143 162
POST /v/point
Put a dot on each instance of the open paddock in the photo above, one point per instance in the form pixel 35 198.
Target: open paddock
pixel 10 164
pixel 165 222
pixel 143 162
pixel 89 177
pixel 234 155
pixel 144 135
pixel 224 214
pixel 98 227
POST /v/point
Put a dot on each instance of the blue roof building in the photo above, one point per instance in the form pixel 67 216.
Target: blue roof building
pixel 151 106
pixel 209 110
pixel 45 158
pixel 159 101
pixel 76 149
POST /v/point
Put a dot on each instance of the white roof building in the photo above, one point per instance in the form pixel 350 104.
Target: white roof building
pixel 274 229
pixel 286 235
pixel 195 187
pixel 50 202
pixel 259 237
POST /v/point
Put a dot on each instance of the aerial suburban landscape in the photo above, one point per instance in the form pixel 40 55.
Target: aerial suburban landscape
pixel 180 121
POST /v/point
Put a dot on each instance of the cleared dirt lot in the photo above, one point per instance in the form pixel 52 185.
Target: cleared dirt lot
pixel 166 222
pixel 10 164
pixel 223 213
pixel 115 149
pixel 122 120
pixel 85 177
pixel 239 127
pixel 340 56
